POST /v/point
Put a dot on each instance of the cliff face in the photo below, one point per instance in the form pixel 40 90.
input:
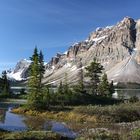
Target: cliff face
pixel 138 41
pixel 113 46
pixel 116 47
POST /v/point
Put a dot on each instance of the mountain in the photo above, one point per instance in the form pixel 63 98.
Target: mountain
pixel 21 70
pixel 113 46
pixel 116 47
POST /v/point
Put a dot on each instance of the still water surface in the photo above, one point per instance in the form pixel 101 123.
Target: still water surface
pixel 13 122
pixel 126 93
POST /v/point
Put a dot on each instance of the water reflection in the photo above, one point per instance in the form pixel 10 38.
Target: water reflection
pixel 38 123
pixel 35 123
pixel 126 93
pixel 2 115
pixel 10 121
pixel 14 122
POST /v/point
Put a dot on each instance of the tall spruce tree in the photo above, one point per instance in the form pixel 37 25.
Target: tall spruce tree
pixel 46 97
pixel 67 90
pixel 60 94
pixel 41 68
pixel 94 71
pixel 103 88
pixel 111 88
pixel 5 84
pixel 34 81
pixel 65 86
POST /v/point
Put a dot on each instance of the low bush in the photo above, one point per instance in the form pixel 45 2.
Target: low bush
pixel 115 113
pixel 136 134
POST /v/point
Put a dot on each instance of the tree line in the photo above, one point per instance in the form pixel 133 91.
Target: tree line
pixel 41 96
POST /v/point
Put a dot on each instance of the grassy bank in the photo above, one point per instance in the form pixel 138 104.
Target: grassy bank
pixel 64 115
pixel 126 112
pixel 28 135
pixel 93 122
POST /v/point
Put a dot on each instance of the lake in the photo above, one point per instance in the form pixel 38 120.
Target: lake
pixel 126 93
pixel 14 122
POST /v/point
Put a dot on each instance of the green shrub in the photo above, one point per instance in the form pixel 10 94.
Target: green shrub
pixel 136 134
pixel 115 113
pixel 133 99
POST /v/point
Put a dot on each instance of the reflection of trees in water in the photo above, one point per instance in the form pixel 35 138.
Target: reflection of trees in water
pixel 37 123
pixel 2 115
pixel 128 93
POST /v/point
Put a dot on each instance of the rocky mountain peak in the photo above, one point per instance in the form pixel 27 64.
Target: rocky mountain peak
pixel 127 20
pixel 20 71
pixel 116 47
pixel 22 64
pixel 110 45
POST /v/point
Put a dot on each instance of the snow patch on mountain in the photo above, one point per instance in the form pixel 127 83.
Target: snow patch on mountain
pixel 20 72
pixel 99 38
pixel 16 76
pixel 65 52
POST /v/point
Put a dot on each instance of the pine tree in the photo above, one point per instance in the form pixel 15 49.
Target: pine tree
pixel 34 81
pixel 60 88
pixel 5 84
pixel 94 70
pixel 111 88
pixel 65 86
pixel 60 94
pixel 103 87
pixel 41 68
pixel 46 97
pixel 67 91
pixel 37 96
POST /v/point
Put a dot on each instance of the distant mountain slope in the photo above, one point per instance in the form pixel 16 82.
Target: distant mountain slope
pixel 115 47
pixel 21 70
pixel 127 71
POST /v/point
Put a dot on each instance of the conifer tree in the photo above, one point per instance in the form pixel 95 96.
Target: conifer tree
pixel 103 88
pixel 60 94
pixel 94 70
pixel 34 81
pixel 111 88
pixel 41 68
pixel 5 84
pixel 67 90
pixel 60 88
pixel 46 97
pixel 65 86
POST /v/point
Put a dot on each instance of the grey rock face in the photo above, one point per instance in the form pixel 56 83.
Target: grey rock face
pixel 138 41
pixel 112 46
pixel 116 47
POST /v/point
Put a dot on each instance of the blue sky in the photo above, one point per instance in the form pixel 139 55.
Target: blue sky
pixel 54 25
